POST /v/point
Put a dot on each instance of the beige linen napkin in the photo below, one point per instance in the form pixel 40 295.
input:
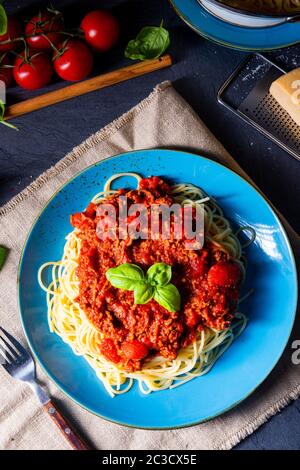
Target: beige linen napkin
pixel 163 119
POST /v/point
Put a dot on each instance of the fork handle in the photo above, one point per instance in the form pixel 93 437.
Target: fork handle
pixel 72 437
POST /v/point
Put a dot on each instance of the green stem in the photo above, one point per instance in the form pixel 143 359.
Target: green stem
pixel 5 123
pixel 50 42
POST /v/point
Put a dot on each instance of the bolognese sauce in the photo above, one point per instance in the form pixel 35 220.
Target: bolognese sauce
pixel 207 279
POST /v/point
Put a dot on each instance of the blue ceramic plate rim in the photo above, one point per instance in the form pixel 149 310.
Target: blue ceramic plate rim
pixel 64 389
pixel 210 37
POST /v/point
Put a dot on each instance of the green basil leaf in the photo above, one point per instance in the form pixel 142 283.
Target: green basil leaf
pixel 143 292
pixel 160 274
pixel 150 43
pixel 3 21
pixel 3 256
pixel 132 50
pixel 126 276
pixel 168 297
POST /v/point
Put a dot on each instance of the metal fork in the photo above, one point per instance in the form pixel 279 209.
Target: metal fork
pixel 18 362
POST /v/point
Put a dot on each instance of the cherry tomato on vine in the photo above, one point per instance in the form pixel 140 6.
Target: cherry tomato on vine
pixel 73 61
pixel 33 70
pixel 14 30
pixel 43 30
pixel 6 70
pixel 101 30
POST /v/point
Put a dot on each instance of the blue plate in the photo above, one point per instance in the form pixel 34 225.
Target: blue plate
pixel 271 309
pixel 226 34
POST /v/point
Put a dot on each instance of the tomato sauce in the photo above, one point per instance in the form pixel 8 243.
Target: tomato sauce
pixel 208 282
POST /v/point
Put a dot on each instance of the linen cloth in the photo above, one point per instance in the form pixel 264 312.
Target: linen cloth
pixel 162 120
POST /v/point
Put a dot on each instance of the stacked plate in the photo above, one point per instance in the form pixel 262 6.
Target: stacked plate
pixel 239 29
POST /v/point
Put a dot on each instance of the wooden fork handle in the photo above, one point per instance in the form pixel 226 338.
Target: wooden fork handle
pixel 72 437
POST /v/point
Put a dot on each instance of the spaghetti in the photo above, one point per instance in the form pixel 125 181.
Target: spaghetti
pixel 70 321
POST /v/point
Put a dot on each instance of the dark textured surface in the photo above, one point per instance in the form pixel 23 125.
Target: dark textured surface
pixel 199 69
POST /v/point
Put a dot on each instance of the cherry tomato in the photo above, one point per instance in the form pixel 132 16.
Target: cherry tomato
pixel 109 350
pixel 101 30
pixel 134 350
pixel 6 70
pixel 14 30
pixel 74 61
pixel 34 71
pixel 43 30
pixel 225 274
pixel 155 184
pixel 90 211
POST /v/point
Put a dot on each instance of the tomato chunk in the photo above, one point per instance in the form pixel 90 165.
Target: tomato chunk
pixel 225 274
pixel 155 184
pixel 91 210
pixel 134 350
pixel 77 219
pixel 93 258
pixel 192 319
pixel 109 350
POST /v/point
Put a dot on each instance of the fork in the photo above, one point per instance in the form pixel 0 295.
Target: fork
pixel 19 363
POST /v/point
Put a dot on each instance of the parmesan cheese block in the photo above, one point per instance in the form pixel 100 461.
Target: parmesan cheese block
pixel 286 91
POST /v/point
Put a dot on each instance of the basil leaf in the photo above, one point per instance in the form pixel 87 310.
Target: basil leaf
pixel 3 21
pixel 159 274
pixel 3 256
pixel 143 292
pixel 168 297
pixel 126 276
pixel 150 43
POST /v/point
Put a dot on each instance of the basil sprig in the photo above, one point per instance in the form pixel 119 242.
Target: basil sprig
pixel 150 43
pixel 154 285
pixel 3 256
pixel 3 20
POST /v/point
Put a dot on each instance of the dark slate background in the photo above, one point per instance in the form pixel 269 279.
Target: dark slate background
pixel 200 67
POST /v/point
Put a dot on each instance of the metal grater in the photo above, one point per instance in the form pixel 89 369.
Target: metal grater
pixel 257 106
